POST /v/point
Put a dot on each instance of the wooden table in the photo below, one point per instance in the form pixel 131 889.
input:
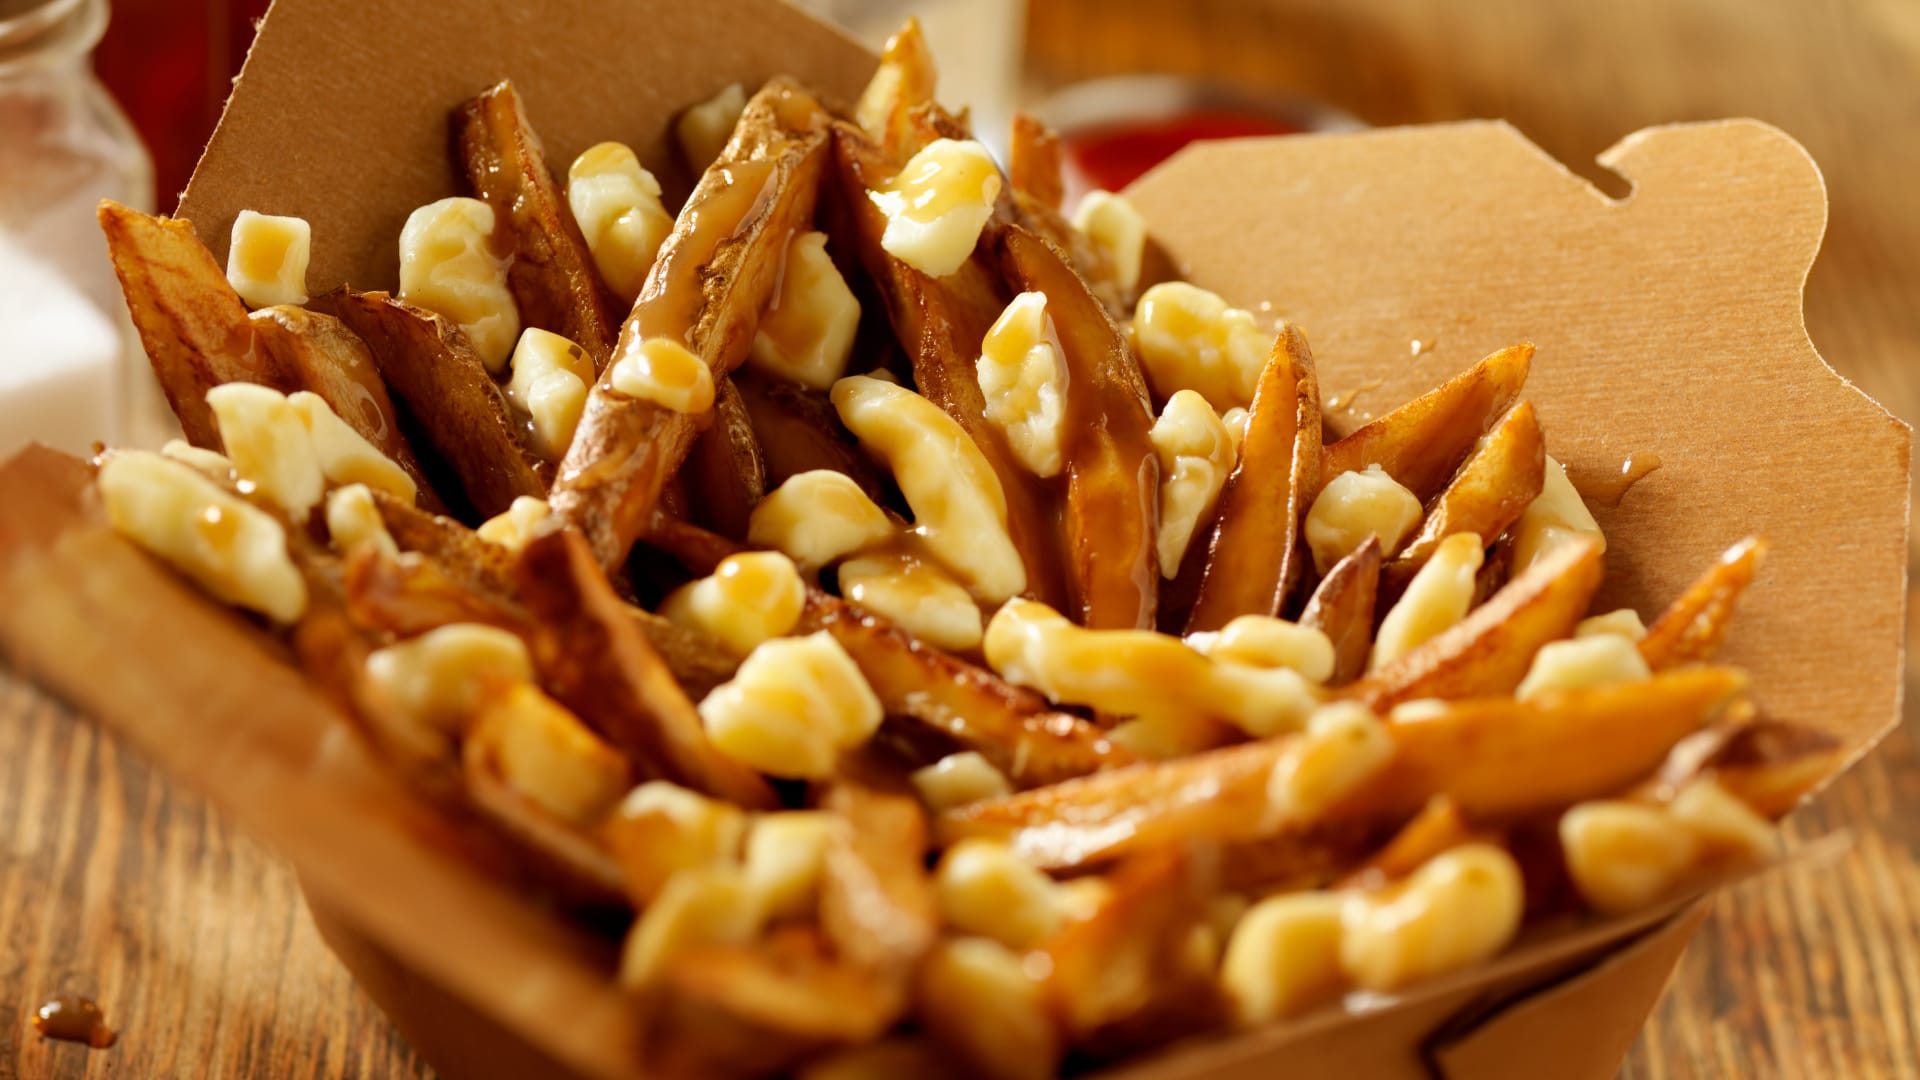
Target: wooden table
pixel 116 884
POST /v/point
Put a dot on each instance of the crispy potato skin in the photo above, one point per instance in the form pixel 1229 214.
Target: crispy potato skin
pixel 799 431
pixel 193 325
pixel 1694 626
pixel 706 289
pixel 727 468
pixel 1490 650
pixel 1112 470
pixel 1033 161
pixel 877 903
pixel 1422 442
pixel 428 364
pixel 1494 485
pixel 1255 557
pixel 552 274
pixel 1342 607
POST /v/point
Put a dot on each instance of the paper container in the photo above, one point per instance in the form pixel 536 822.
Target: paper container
pixel 1668 323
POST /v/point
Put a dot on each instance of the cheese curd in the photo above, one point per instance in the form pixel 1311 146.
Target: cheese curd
pixel 439 679
pixel 985 890
pixel 210 462
pixel 1264 641
pixel 354 522
pixel 544 753
pixel 1197 454
pixel 959 779
pixel 1438 597
pixel 230 548
pixel 518 523
pixel 1343 746
pixel 707 905
pixel 785 852
pixel 448 265
pixel 1555 516
pixel 661 828
pixel 664 372
pixel 1023 377
pixel 978 998
pixel 549 384
pixel 1117 231
pixel 343 454
pixel 806 333
pixel 1462 907
pixel 1190 339
pixel 268 442
pixel 1149 676
pixel 749 598
pixel 1592 661
pixel 792 708
pixel 1284 957
pixel 1623 621
pixel 959 509
pixel 704 129
pixel 1624 855
pixel 938 204
pixel 1355 505
pixel 617 205
pixel 267 259
pixel 818 518
pixel 915 595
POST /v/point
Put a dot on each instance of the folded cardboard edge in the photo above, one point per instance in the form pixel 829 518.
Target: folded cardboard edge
pixel 189 676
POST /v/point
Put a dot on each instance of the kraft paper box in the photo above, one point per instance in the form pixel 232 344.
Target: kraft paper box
pixel 1668 324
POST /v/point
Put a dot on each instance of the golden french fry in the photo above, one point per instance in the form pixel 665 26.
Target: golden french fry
pixel 940 323
pixel 1490 650
pixel 1770 765
pixel 1422 442
pixel 320 354
pixel 1033 161
pixel 1112 469
pixel 552 275
pixel 799 432
pixel 1254 559
pixel 1437 827
pixel 412 594
pixel 1342 607
pixel 193 325
pixel 726 470
pixel 593 659
pixel 877 903
pixel 563 857
pixel 1499 478
pixel 706 290
pixel 903 82
pixel 1694 625
pixel 427 362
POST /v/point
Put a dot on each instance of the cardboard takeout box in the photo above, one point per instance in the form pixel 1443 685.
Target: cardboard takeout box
pixel 1668 323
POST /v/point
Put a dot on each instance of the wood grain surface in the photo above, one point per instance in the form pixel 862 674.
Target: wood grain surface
pixel 116 884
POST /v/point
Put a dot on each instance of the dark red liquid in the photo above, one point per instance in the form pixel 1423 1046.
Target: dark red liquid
pixel 1111 156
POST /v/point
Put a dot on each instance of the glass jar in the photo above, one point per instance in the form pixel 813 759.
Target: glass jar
pixel 71 371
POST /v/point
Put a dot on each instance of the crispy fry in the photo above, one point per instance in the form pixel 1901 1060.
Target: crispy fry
pixel 1254 560
pixel 552 275
pixel 1490 650
pixel 1127 978
pixel 1012 727
pixel 1033 161
pixel 1769 765
pixel 1496 482
pixel 1112 469
pixel 799 431
pixel 1693 626
pixel 1422 442
pixel 193 325
pixel 428 364
pixel 876 901
pixel 1437 827
pixel 320 354
pixel 1342 608
pixel 582 871
pixel 726 469
pixel 412 594
pixel 903 82
pixel 1495 757
pixel 706 289
pixel 940 323
pixel 594 660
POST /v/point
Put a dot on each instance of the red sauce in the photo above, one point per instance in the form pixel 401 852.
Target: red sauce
pixel 1111 156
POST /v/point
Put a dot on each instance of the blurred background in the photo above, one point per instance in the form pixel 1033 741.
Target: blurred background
pixel 1831 951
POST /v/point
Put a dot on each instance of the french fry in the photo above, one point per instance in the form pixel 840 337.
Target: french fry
pixel 1254 559
pixel 552 275
pixel 726 470
pixel 427 363
pixel 412 594
pixel 903 82
pixel 1033 161
pixel 1490 650
pixel 877 903
pixel 1342 607
pixel 593 659
pixel 1693 626
pixel 940 323
pixel 1437 827
pixel 1113 472
pixel 582 872
pixel 706 289
pixel 1769 765
pixel 799 432
pixel 1422 442
pixel 193 325
pixel 1499 478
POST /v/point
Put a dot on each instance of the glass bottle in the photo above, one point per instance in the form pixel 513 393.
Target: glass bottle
pixel 70 368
